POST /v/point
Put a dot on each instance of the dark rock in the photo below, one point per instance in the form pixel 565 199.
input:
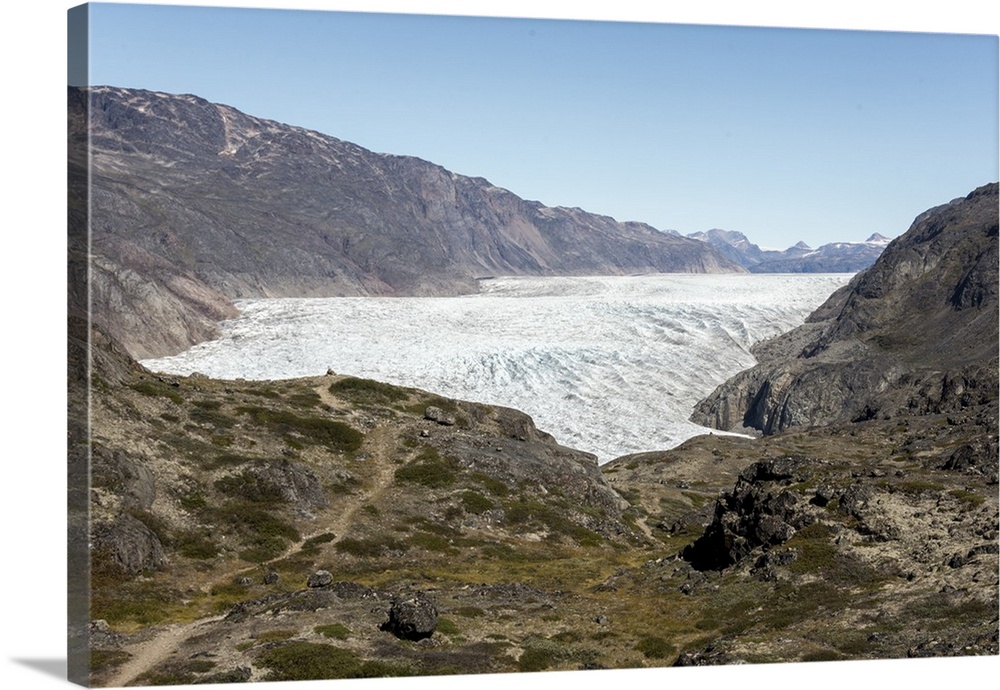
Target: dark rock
pixel 272 578
pixel 777 469
pixel 855 499
pixel 767 565
pixel 315 599
pixel 754 514
pixel 250 608
pixel 293 482
pixel 824 494
pixel 879 528
pixel 412 617
pixel 132 545
pixel 321 578
pixel 125 476
pixel 436 414
pixel 772 530
pixel 971 458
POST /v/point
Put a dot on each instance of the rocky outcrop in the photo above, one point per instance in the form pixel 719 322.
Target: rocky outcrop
pixel 129 544
pixel 291 482
pixel 194 204
pixel 321 578
pixel 524 456
pixel 758 512
pixel 916 333
pixel 123 476
pixel 150 308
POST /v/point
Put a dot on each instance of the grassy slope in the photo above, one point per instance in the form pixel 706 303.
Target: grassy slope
pixel 527 572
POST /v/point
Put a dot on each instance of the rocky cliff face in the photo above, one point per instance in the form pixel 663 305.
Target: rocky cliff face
pixel 195 203
pixel 915 333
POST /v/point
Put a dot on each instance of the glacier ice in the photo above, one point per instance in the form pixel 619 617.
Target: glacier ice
pixel 609 365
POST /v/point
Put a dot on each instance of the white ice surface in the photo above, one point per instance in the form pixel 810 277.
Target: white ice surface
pixel 610 365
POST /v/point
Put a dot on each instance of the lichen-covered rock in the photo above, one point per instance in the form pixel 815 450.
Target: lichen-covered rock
pixel 436 414
pixel 294 482
pixel 412 616
pixel 129 543
pixel 123 475
pixel 321 578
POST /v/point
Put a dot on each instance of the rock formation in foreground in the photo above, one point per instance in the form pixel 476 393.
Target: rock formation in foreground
pixel 917 332
pixel 194 204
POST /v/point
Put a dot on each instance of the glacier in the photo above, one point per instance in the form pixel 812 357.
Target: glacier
pixel 608 365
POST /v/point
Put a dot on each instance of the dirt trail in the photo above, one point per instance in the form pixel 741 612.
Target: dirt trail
pixel 644 528
pixel 379 444
pixel 146 655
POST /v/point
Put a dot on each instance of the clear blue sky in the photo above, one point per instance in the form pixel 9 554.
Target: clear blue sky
pixel 783 134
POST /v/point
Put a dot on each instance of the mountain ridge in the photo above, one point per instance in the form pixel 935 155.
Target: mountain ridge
pixel 195 204
pixel 833 257
pixel 917 330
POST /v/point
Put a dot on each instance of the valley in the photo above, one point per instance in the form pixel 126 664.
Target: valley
pixel 339 526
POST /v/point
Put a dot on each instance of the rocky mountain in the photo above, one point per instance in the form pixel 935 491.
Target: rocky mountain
pixel 916 332
pixel 835 257
pixel 194 204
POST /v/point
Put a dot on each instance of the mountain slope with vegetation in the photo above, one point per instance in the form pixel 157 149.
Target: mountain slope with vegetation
pixel 268 531
pixel 916 332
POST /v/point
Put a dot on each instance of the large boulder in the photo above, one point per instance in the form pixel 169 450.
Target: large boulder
pixel 321 578
pixel 129 543
pixel 412 616
pixel 758 513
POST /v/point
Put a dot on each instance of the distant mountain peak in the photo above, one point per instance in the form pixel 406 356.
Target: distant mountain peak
pixel 835 257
